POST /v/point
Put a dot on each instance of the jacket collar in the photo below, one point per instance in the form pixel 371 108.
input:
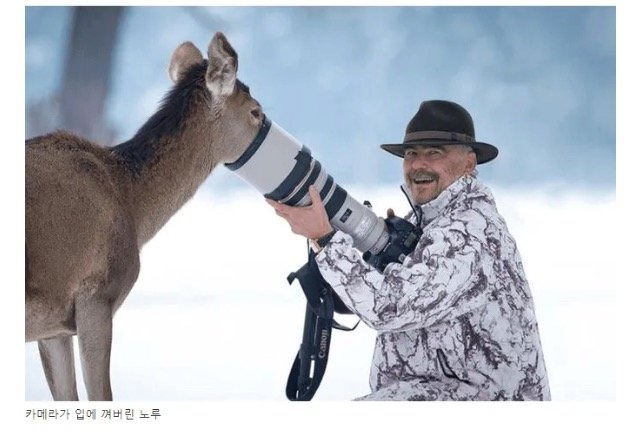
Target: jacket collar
pixel 430 210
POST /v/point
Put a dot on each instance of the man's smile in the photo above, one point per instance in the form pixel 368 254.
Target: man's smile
pixel 423 178
pixel 423 181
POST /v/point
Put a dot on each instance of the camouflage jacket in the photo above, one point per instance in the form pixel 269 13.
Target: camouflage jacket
pixel 455 320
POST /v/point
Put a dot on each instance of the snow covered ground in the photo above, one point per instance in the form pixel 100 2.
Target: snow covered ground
pixel 213 318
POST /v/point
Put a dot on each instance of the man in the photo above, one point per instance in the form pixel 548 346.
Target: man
pixel 455 320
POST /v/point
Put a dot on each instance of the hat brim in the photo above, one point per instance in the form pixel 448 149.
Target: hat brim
pixel 484 152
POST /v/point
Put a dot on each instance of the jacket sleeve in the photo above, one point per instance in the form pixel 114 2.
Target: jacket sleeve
pixel 441 280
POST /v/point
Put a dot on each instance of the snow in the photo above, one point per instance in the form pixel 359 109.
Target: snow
pixel 212 316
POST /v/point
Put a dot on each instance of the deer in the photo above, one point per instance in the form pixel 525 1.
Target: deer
pixel 90 208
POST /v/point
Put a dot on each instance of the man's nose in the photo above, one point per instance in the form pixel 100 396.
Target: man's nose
pixel 420 162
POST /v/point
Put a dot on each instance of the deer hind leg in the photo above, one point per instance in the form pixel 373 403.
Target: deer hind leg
pixel 57 356
pixel 94 329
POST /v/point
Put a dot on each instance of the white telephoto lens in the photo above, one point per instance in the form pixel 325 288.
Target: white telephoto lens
pixel 282 169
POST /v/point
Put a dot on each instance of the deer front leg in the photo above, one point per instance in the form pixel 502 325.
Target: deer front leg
pixel 57 356
pixel 94 329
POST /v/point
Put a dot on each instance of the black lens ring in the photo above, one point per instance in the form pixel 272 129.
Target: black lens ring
pixel 336 201
pixel 304 188
pixel 327 186
pixel 299 171
pixel 253 147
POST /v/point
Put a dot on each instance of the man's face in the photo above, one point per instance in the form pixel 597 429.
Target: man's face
pixel 429 170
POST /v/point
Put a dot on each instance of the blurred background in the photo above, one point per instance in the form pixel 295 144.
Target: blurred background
pixel 211 318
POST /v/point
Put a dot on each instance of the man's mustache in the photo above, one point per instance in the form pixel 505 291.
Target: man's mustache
pixel 422 174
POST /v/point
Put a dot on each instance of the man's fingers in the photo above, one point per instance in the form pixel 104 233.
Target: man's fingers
pixel 283 212
pixel 314 196
pixel 273 203
pixel 279 208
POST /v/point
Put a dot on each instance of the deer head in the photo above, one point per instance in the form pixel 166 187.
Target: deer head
pixel 233 116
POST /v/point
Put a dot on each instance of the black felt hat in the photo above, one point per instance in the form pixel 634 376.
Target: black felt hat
pixel 440 122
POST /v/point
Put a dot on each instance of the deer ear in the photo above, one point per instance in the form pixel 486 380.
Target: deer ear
pixel 222 66
pixel 184 57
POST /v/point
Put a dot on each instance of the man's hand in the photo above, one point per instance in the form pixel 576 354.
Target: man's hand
pixel 309 221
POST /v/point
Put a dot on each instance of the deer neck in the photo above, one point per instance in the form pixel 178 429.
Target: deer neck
pixel 180 163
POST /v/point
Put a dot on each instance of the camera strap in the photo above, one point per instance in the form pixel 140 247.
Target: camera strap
pixel 321 303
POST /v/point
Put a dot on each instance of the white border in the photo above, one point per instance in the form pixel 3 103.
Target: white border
pixel 342 418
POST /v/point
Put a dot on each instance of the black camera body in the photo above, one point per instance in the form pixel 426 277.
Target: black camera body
pixel 403 237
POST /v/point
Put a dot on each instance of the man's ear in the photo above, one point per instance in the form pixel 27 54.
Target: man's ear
pixel 185 56
pixel 472 160
pixel 222 66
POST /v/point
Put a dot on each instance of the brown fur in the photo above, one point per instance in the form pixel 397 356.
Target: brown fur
pixel 88 214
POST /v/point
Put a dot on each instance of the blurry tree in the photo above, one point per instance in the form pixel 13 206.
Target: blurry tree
pixel 204 18
pixel 87 73
pixel 80 104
